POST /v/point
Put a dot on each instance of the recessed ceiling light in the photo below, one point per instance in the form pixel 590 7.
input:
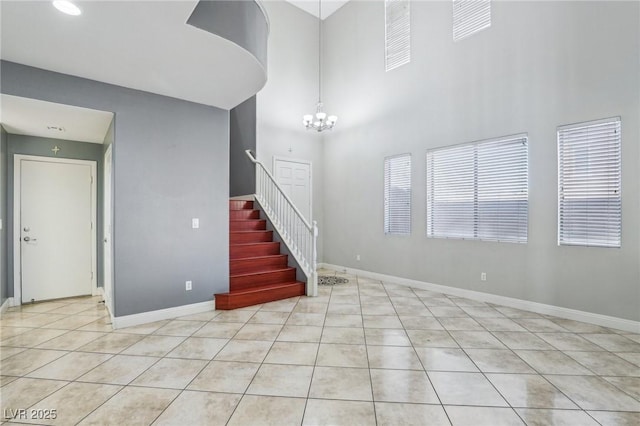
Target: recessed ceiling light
pixel 67 7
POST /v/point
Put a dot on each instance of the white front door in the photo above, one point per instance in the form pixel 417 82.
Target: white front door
pixel 294 176
pixel 56 220
pixel 107 244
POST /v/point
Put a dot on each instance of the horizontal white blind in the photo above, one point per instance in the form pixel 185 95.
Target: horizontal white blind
pixel 589 179
pixel 479 190
pixel 397 195
pixel 469 17
pixel 397 20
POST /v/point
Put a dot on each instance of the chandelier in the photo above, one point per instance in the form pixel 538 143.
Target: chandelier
pixel 320 120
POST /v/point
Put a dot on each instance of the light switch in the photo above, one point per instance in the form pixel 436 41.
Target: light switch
pixel 195 223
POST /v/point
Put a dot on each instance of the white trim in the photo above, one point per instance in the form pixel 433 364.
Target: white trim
pixel 6 305
pixel 107 230
pixel 300 161
pixel 17 261
pixel 100 292
pixel 249 197
pixel 162 314
pixel 540 308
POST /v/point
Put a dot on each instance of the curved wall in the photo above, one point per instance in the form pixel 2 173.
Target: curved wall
pixel 245 23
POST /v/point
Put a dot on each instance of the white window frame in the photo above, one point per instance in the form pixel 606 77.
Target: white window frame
pixel 482 160
pixel 587 183
pixel 404 212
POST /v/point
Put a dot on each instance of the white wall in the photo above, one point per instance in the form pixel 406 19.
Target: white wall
pixel 291 91
pixel 540 65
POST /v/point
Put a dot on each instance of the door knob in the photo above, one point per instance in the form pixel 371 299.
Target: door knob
pixel 27 239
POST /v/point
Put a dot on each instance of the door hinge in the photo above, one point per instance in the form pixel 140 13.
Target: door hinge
pixel 91 225
pixel 91 275
pixel 91 179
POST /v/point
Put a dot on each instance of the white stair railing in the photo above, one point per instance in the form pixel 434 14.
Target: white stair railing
pixel 298 235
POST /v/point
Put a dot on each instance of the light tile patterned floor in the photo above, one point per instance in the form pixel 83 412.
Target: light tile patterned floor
pixel 362 353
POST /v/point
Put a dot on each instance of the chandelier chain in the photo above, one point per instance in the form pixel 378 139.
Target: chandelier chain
pixel 320 120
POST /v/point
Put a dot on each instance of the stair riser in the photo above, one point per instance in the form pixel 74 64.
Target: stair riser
pixel 253 250
pixel 240 205
pixel 247 225
pixel 233 301
pixel 250 237
pixel 244 214
pixel 245 266
pixel 250 281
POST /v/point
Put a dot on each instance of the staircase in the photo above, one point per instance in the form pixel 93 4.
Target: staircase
pixel 258 273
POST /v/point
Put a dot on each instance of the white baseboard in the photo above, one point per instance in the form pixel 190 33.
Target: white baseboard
pixel 162 314
pixel 6 305
pixel 540 308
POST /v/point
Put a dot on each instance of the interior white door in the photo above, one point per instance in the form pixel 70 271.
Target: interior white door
pixel 295 179
pixel 107 231
pixel 55 230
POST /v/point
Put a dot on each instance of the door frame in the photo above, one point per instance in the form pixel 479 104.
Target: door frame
pixel 108 212
pixel 17 254
pixel 297 160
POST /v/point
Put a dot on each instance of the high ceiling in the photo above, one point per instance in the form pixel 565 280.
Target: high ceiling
pixel 144 45
pixel 311 6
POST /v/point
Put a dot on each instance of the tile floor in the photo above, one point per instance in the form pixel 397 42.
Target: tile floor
pixel 362 353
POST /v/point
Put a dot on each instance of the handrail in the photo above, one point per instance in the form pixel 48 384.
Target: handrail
pixel 296 232
pixel 286 197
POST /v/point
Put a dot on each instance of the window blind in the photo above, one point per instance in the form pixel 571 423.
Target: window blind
pixel 397 20
pixel 397 195
pixel 589 179
pixel 469 17
pixel 479 191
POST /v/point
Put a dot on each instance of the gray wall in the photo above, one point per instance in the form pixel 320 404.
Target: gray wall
pixel 241 22
pixel 4 283
pixel 540 65
pixel 292 91
pixel 32 145
pixel 170 164
pixel 242 131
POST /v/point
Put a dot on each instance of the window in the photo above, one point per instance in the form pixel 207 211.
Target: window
pixel 397 195
pixel 479 191
pixel 589 179
pixel 397 21
pixel 469 17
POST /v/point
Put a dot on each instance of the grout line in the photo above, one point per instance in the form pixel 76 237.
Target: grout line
pixel 391 297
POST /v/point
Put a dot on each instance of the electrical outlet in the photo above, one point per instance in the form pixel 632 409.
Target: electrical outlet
pixel 188 285
pixel 358 257
pixel 483 276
